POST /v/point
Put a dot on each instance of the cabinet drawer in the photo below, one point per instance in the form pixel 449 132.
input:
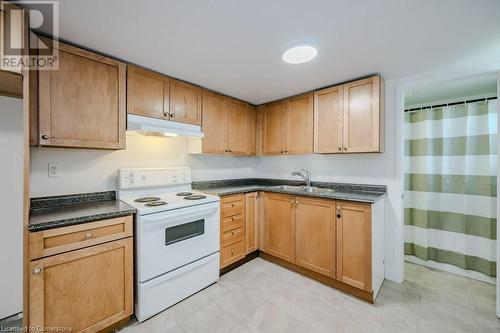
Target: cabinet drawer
pixel 232 222
pixel 54 241
pixel 229 235
pixel 232 205
pixel 232 251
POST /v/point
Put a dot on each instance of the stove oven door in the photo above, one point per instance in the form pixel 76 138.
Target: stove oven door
pixel 169 240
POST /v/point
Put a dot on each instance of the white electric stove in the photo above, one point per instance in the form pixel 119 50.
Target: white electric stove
pixel 176 236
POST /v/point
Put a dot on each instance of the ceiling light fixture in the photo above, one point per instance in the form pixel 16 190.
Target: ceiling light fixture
pixel 300 54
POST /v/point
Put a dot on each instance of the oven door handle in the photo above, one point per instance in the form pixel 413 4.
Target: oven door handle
pixel 167 217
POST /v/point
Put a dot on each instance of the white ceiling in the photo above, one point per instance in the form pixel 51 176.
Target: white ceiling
pixel 235 46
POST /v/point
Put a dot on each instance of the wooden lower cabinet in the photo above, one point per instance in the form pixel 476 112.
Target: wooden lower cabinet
pixel 252 213
pixel 87 290
pixel 354 245
pixel 279 226
pixel 315 235
pixel 81 276
pixel 232 229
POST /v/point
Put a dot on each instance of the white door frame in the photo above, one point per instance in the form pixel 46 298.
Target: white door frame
pixel 401 86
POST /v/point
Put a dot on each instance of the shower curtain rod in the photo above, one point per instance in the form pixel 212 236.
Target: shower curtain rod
pixel 454 103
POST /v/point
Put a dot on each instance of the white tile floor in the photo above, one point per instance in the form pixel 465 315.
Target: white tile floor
pixel 263 297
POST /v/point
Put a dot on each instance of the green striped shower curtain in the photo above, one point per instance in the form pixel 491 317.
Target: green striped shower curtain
pixel 450 187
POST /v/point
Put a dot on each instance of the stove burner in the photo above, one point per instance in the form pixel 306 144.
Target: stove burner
pixel 147 199
pixel 194 197
pixel 184 194
pixel 155 203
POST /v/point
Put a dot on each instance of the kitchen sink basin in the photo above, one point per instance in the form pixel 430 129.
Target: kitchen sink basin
pixel 309 189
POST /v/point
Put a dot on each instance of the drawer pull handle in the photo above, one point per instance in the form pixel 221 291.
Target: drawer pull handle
pixel 88 235
pixel 37 270
pixel 232 204
pixel 233 232
pixel 233 251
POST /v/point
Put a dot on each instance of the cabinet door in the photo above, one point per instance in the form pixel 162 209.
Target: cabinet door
pixel 315 234
pixel 354 259
pixel 328 120
pixel 86 289
pixel 280 226
pixel 237 128
pixel 185 102
pixel 252 121
pixel 214 123
pixel 299 125
pixel 82 104
pixel 274 128
pixel 362 115
pixel 251 222
pixel 147 93
pixel 12 36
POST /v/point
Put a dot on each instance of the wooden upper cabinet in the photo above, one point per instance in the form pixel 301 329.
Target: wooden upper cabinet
pixel 185 102
pixel 279 226
pixel 288 126
pixel 237 127
pixel 273 142
pixel 214 122
pixel 328 108
pixel 147 93
pixel 83 103
pixel 362 116
pixel 251 131
pixel 299 125
pixel 315 235
pixel 354 258
pixel 349 118
pixel 13 33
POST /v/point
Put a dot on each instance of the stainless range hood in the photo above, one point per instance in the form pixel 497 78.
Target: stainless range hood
pixel 160 127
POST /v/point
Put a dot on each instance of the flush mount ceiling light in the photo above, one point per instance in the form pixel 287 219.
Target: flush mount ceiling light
pixel 299 54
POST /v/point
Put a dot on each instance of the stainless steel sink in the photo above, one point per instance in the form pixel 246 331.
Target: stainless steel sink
pixel 309 189
pixel 313 189
pixel 287 187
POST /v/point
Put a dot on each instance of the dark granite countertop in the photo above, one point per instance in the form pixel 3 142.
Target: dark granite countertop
pixel 343 191
pixel 61 211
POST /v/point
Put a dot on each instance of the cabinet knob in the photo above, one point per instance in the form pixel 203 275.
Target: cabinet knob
pixel 88 235
pixel 282 151
pixel 233 232
pixel 233 251
pixel 339 216
pixel 286 151
pixel 340 148
pixel 45 137
pixel 172 115
pixel 37 270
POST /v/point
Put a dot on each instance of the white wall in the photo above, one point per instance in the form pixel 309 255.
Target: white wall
pixel 96 170
pixel 11 200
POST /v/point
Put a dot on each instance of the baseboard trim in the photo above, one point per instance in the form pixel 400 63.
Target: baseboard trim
pixel 394 274
pixel 361 294
pixel 247 258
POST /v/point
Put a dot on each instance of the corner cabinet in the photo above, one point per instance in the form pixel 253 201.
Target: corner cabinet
pixel 288 126
pixel 228 126
pixel 83 103
pixel 81 276
pixel 349 118
pixel 279 226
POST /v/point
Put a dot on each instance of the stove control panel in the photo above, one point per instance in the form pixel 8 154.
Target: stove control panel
pixel 152 177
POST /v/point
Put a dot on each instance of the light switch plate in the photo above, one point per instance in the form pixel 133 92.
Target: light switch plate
pixel 54 170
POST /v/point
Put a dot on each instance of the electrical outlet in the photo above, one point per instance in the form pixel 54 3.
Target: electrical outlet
pixel 54 170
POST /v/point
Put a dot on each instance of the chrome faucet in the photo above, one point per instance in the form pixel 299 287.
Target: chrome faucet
pixel 306 175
